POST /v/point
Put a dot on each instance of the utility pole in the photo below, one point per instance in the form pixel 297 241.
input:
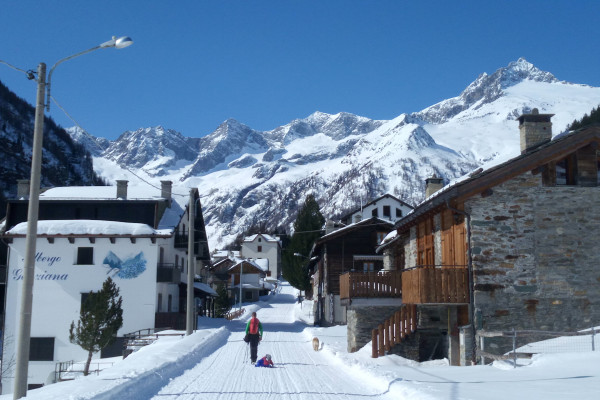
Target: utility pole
pixel 30 242
pixel 189 321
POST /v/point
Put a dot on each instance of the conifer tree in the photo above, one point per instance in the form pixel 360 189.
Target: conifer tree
pixel 100 318
pixel 307 229
pixel 222 305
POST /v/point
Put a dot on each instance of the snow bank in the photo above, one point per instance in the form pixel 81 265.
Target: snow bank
pixel 142 373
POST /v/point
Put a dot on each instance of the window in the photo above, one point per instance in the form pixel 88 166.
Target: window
pixel 380 237
pixel 85 256
pixel 176 260
pixel 41 349
pixel 248 295
pixel 368 266
pixel 259 249
pixel 169 303
pixel 113 350
pixel 85 297
pixel 259 239
pixel 160 302
pixel 398 213
pixel 374 212
pixel 387 212
pixel 566 171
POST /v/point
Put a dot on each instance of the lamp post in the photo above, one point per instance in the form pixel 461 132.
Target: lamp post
pixel 189 316
pixel 24 332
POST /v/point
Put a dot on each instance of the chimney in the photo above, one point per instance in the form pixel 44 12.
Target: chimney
pixel 535 129
pixel 329 227
pixel 22 188
pixel 165 190
pixel 432 185
pixel 122 190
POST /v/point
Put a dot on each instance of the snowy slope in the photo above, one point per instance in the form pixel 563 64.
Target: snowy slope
pixel 212 364
pixel 247 177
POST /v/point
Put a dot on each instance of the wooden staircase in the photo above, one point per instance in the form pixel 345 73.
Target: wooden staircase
pixel 394 330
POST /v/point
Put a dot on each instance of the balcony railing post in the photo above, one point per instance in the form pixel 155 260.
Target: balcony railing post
pixel 381 340
pixel 374 346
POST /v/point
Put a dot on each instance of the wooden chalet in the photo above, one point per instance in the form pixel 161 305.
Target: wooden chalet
pixel 513 246
pixel 346 269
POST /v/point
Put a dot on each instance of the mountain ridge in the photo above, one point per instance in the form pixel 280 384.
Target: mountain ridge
pixel 251 177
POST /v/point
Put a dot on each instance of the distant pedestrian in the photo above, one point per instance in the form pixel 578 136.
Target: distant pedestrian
pixel 254 333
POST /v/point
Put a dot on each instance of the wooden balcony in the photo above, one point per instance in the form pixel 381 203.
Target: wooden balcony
pixel 371 284
pixel 435 284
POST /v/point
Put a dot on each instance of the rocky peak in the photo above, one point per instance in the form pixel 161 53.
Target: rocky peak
pixel 485 89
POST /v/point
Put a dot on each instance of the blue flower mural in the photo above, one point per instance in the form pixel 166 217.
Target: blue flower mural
pixel 129 269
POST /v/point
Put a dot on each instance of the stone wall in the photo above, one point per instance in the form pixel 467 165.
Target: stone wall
pixel 361 322
pixel 536 255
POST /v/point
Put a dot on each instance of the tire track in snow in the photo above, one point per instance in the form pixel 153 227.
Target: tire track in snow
pixel 300 373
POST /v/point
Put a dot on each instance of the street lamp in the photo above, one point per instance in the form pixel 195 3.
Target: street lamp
pixel 24 333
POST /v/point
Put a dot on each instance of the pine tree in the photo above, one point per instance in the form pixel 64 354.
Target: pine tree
pixel 222 305
pixel 307 229
pixel 586 120
pixel 100 318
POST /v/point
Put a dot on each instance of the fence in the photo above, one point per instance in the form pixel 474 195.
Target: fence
pixel 234 314
pixel 138 339
pixel 523 344
pixel 371 284
pixel 69 370
pixel 394 330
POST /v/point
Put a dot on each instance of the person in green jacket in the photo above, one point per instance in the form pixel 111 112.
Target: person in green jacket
pixel 254 333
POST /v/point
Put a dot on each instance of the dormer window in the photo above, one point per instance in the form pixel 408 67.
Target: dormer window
pixel 387 212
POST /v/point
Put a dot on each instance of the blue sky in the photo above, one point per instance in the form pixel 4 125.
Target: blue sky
pixel 196 63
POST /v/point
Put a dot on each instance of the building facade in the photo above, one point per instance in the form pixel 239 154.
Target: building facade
pixel 85 235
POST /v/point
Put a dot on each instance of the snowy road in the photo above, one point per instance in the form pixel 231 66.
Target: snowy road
pixel 300 373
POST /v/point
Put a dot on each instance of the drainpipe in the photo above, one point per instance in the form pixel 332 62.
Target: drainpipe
pixel 470 278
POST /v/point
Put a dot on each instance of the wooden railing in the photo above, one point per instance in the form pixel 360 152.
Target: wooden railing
pixel 435 284
pixel 371 284
pixel 394 330
pixel 234 314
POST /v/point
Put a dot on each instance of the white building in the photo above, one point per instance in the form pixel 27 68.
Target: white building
pixel 267 247
pixel 386 207
pixel 86 234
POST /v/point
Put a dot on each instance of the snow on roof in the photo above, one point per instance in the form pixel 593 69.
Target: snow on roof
pixel 169 220
pixel 100 193
pixel 86 227
pixel 249 261
pixel 263 263
pixel 205 288
pixel 354 225
pixel 390 236
pixel 268 238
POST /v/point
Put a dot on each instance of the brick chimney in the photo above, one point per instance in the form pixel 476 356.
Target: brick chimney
pixel 432 185
pixel 22 188
pixel 122 189
pixel 165 190
pixel 535 129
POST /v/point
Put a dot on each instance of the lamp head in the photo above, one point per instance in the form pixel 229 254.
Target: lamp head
pixel 123 42
pixel 118 43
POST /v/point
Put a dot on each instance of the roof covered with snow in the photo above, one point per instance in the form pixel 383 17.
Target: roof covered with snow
pixel 87 227
pixel 266 237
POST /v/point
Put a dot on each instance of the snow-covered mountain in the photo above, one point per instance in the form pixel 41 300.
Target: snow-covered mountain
pixel 249 177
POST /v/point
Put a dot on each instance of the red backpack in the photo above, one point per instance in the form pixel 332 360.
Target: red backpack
pixel 253 326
